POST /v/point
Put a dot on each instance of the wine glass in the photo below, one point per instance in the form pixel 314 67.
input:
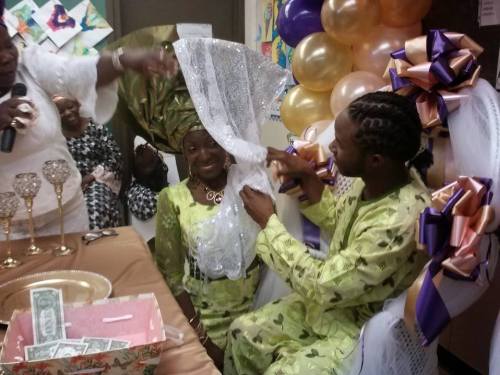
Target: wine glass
pixel 57 172
pixel 27 186
pixel 8 207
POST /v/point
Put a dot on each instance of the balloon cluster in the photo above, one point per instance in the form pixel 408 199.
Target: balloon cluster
pixel 342 48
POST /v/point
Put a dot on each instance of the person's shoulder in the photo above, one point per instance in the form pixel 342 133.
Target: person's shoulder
pixel 33 53
pixel 96 125
pixel 406 205
pixel 416 192
pixel 399 208
pixel 175 192
pixel 137 189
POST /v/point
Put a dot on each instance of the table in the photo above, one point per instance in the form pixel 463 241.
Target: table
pixel 127 262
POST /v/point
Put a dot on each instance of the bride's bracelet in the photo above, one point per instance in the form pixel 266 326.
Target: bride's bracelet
pixel 199 329
pixel 203 339
pixel 193 319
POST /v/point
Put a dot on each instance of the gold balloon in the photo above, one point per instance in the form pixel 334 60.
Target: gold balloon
pixel 351 87
pixel 302 107
pixel 373 53
pixel 399 13
pixel 320 61
pixel 349 21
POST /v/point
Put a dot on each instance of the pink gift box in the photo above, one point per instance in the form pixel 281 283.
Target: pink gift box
pixel 136 319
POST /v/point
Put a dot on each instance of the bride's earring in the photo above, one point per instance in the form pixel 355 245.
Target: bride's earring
pixel 227 163
pixel 191 176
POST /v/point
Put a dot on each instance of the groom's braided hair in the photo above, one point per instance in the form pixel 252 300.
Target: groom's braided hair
pixel 389 125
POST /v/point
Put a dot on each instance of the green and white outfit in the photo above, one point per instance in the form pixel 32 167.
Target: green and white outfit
pixel 219 301
pixel 372 257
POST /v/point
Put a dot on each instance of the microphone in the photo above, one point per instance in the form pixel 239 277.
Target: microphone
pixel 9 133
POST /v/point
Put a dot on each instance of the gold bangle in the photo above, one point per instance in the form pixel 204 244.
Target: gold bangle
pixel 192 319
pixel 204 339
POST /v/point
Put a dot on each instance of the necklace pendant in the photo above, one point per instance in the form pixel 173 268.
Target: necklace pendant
pixel 218 198
pixel 213 196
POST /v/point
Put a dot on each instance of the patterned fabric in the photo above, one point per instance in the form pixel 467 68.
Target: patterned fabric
pixel 161 107
pixel 102 206
pixel 372 257
pixel 219 301
pixel 141 201
pixel 96 147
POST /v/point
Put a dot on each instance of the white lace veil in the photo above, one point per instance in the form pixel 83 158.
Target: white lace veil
pixel 232 88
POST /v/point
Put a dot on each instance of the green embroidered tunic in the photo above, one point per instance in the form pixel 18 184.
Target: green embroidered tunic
pixel 372 257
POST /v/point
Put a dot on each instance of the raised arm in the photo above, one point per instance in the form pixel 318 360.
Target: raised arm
pixel 111 66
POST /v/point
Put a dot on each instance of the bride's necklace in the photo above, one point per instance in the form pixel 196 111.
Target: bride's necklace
pixel 212 195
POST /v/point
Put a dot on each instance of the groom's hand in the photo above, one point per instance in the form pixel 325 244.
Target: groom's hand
pixel 258 205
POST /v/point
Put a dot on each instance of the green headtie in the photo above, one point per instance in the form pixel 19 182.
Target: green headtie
pixel 161 107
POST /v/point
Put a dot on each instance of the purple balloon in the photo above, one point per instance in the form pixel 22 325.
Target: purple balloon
pixel 299 18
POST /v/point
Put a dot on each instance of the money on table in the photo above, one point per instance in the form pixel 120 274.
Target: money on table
pixel 47 314
pixel 87 328
pixel 49 331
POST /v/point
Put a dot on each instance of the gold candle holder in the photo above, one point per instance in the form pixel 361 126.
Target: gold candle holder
pixel 27 186
pixel 8 207
pixel 57 172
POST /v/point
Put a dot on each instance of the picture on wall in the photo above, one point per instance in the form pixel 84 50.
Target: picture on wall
pixel 26 26
pixel 267 21
pixel 57 23
pixel 77 47
pixel 94 28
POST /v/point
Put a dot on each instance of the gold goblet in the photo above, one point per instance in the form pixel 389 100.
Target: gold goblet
pixel 8 207
pixel 57 172
pixel 27 186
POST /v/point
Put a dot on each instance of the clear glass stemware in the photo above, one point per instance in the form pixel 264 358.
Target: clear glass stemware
pixel 57 172
pixel 27 186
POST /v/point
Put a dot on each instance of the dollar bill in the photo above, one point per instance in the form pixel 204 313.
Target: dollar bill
pixel 40 352
pixel 119 344
pixel 69 349
pixel 47 315
pixel 96 344
pixel 78 341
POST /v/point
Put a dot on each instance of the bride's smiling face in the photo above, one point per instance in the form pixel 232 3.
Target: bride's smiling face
pixel 204 156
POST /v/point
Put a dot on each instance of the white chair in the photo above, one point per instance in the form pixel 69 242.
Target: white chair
pixel 387 347
pixel 147 228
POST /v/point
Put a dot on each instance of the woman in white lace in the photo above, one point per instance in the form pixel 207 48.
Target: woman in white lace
pixel 91 81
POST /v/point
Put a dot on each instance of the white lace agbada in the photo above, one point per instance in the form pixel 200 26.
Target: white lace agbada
pixel 44 75
pixel 232 88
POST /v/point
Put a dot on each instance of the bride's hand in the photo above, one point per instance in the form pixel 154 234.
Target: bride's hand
pixel 258 205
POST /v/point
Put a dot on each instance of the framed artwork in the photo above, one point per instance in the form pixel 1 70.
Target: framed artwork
pixel 267 21
pixel 94 28
pixel 49 46
pixel 76 47
pixel 26 26
pixel 58 24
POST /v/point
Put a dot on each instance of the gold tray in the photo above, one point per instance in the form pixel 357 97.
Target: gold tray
pixel 77 286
